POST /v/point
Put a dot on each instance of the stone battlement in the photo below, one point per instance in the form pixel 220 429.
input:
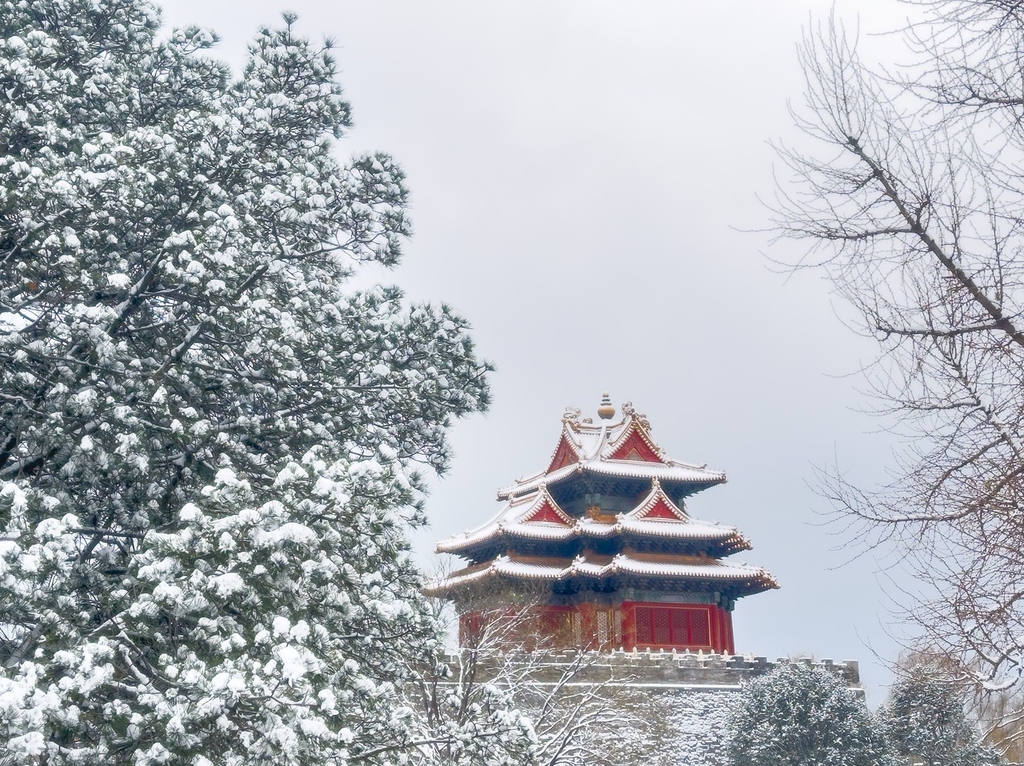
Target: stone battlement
pixel 659 669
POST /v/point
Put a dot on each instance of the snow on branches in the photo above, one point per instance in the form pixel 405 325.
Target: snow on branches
pixel 798 713
pixel 208 442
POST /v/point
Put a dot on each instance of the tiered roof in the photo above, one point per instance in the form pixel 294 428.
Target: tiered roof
pixel 535 537
pixel 614 450
pixel 692 572
pixel 536 516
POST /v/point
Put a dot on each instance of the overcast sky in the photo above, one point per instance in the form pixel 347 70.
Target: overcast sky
pixel 585 181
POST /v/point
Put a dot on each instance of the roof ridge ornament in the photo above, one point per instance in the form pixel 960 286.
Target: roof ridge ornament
pixel 571 415
pixel 641 420
pixel 606 411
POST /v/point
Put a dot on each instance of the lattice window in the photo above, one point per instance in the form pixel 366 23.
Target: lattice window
pixel 617 622
pixel 672 626
pixel 699 632
pixel 681 619
pixel 662 626
pixel 602 627
pixel 644 627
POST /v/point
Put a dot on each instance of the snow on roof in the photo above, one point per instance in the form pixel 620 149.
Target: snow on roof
pixel 622 449
pixel 514 521
pixel 589 566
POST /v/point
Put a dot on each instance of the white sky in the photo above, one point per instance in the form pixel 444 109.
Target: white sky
pixel 582 176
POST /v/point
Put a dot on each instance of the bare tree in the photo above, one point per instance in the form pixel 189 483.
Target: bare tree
pixel 502 677
pixel 913 205
pixel 1001 719
pixel 997 714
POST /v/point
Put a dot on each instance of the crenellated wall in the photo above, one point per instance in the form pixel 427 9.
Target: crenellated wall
pixel 670 669
pixel 659 708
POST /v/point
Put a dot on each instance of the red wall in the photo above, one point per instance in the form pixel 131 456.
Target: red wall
pixel 629 625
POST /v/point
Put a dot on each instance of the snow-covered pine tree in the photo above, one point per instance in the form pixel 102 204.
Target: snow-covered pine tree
pixel 207 440
pixel 925 718
pixel 799 715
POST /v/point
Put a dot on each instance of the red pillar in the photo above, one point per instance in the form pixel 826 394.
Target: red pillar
pixel 628 627
pixel 714 629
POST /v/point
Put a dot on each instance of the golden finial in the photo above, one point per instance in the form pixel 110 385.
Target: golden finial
pixel 606 411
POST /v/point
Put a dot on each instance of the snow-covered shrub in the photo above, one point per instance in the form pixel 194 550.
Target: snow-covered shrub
pixel 799 715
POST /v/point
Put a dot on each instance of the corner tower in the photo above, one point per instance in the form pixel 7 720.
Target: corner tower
pixel 599 550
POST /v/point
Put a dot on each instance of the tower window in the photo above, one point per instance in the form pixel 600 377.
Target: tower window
pixel 672 626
